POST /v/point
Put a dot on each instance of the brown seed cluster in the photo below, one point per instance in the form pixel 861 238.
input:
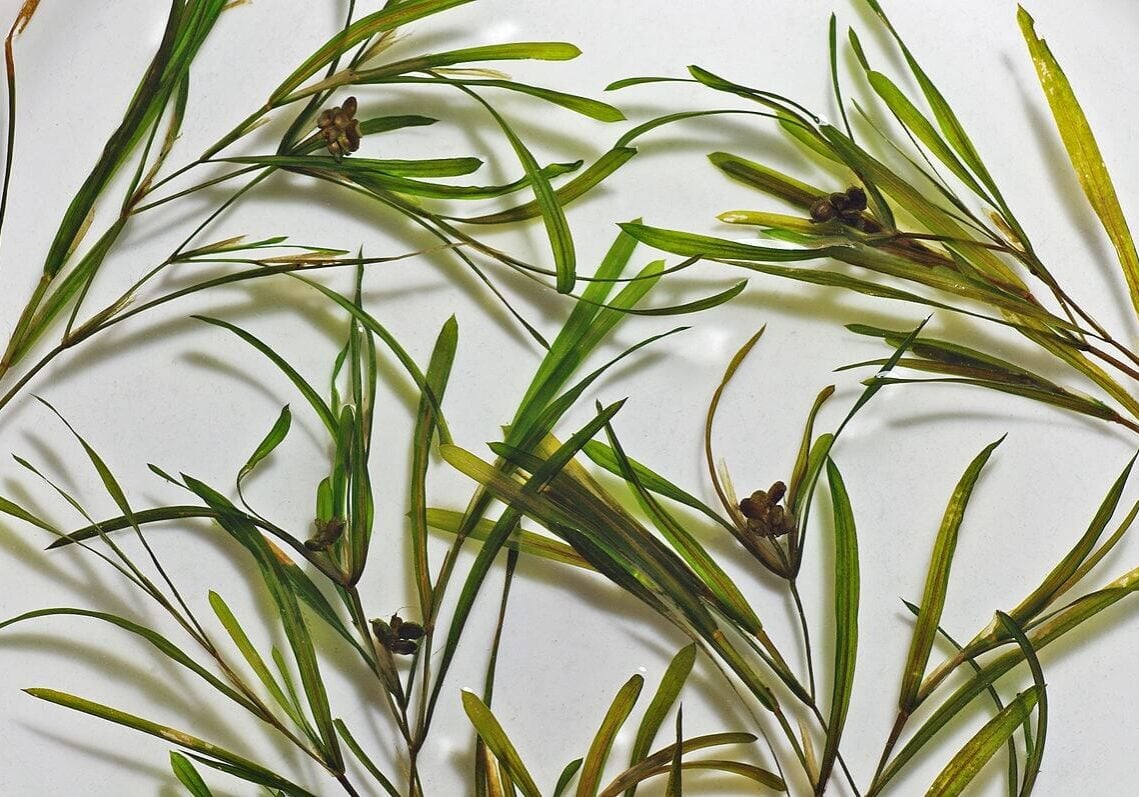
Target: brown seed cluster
pixel 398 635
pixel 340 128
pixel 847 207
pixel 765 517
pixel 327 532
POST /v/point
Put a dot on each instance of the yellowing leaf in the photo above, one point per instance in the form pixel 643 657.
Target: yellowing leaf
pixel 1084 152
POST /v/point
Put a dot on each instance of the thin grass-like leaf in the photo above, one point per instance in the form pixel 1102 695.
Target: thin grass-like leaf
pixel 273 439
pixel 527 542
pixel 491 732
pixel 1084 152
pixel 567 776
pixel 311 396
pixel 557 227
pixel 281 589
pixel 252 771
pixel 660 762
pixel 386 19
pixel 364 759
pixel 846 620
pixel 188 776
pixel 669 689
pixel 766 179
pixel 1056 626
pixel 937 581
pixel 598 754
pixel 603 456
pixel 438 372
pixel 251 656
pixel 968 761
pixel 1036 752
pixel 1013 771
pixel 731 599
pixel 157 640
pixel 675 785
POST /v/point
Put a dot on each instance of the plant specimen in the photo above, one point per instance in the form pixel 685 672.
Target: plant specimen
pixel 907 228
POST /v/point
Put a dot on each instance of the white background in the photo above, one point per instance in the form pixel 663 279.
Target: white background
pixel 169 390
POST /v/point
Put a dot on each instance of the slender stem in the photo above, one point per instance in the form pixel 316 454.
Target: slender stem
pixel 838 756
pixel 806 633
pixel 194 188
pixel 895 734
pixel 342 779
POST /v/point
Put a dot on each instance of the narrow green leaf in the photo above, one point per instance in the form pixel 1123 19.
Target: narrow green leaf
pixel 157 640
pixel 692 245
pixel 387 18
pixel 1056 626
pixel 1036 752
pixel 766 179
pixel 1013 774
pixel 912 118
pixel 188 776
pixel 273 439
pixel 586 106
pixel 965 765
pixel 281 590
pixel 1055 396
pixel 715 300
pixel 675 786
pixel 393 345
pixel 603 456
pixel 581 184
pixel 660 763
pixel 954 354
pixel 846 620
pixel 729 597
pixel 937 581
pixel 669 689
pixel 947 120
pixel 515 51
pixel 553 215
pixel 364 759
pixel 1084 152
pixel 314 399
pixel 251 656
pixel 438 372
pixel 567 776
pixel 526 542
pixel 17 511
pixel 364 167
pixel 594 764
pixel 491 732
pixel 803 464
pixel 166 733
pixel 1060 577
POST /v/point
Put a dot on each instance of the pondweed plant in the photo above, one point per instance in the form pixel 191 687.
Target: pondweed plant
pixel 651 541
pixel 293 700
pixel 925 222
pixel 326 126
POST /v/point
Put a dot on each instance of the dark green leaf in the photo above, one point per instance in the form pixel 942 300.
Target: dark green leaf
pixel 846 619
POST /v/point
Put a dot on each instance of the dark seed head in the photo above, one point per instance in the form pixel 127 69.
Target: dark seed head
pixel 855 198
pixel 822 210
pixel 340 128
pixel 765 517
pixel 327 532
